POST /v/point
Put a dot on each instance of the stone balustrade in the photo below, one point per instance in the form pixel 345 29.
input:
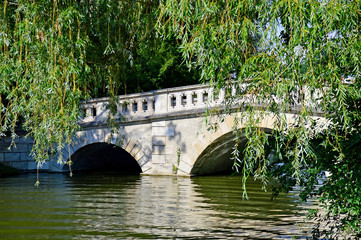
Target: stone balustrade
pixel 154 103
pixel 161 131
pixel 169 101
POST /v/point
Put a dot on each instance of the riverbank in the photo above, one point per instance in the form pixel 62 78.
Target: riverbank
pixel 6 171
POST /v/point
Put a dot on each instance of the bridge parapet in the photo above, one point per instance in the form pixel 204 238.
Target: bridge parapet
pixel 161 128
pixel 156 102
pixel 134 107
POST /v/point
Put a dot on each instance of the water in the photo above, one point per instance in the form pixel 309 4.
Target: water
pixel 98 206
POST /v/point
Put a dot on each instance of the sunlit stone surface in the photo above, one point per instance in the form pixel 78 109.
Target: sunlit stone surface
pixel 162 131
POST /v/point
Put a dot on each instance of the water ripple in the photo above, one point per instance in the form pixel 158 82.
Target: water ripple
pixel 144 207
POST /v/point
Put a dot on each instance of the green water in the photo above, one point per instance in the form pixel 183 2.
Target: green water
pixel 107 206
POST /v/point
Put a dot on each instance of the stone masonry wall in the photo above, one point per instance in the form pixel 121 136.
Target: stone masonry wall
pixel 18 155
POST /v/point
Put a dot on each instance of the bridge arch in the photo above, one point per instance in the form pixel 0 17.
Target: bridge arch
pixel 210 152
pixel 103 157
pixel 98 149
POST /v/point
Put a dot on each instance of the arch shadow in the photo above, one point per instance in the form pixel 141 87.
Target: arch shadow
pixel 103 157
pixel 217 157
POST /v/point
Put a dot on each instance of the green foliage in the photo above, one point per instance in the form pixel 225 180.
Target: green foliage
pixel 284 56
pixel 290 56
pixel 40 65
pixel 338 154
pixel 55 54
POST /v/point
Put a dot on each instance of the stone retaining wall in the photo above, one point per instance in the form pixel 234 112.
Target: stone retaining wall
pixel 18 155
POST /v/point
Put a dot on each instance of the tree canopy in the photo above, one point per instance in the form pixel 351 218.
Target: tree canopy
pixel 288 55
pixel 55 54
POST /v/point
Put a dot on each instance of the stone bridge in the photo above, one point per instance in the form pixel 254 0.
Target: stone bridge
pixel 162 133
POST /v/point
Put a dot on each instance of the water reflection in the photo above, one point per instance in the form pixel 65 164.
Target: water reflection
pixel 96 206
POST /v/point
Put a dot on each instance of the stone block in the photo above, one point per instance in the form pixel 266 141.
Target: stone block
pixel 159 124
pixel 18 165
pixel 55 167
pixel 33 166
pixel 223 127
pixel 30 147
pixel 4 146
pixel 17 140
pixel 143 160
pixel 184 167
pixel 130 146
pixel 163 131
pixel 89 136
pixel 147 167
pixel 217 134
pixel 160 169
pixel 161 103
pixel 80 134
pixel 159 159
pixel 158 141
pixel 188 159
pixel 12 156
pixel 21 148
pixel 135 151
pixel 230 122
pixel 27 140
pixel 99 135
pixel 139 155
pixel 26 157
pixel 158 149
pixel 198 148
pixel 268 122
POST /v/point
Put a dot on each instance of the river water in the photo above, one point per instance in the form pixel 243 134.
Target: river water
pixel 108 206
